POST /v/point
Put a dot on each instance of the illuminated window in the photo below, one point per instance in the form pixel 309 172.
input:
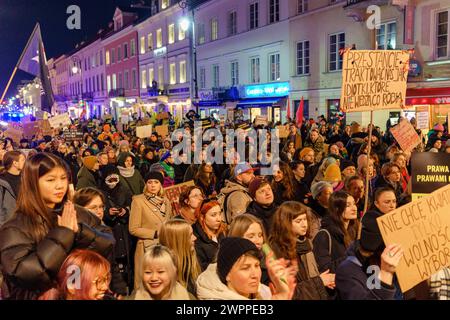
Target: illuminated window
pixel 171 33
pixel 144 79
pixel 142 45
pixel 108 61
pixel 183 71
pixel 164 4
pixel 159 38
pixel 173 75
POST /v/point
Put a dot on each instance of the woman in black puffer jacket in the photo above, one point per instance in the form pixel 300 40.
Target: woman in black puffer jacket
pixel 44 230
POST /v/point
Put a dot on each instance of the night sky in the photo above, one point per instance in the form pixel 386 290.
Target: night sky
pixel 18 18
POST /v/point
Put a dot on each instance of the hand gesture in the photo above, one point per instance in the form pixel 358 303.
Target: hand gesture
pixel 113 212
pixel 283 278
pixel 68 219
pixel 390 258
pixel 122 212
pixel 328 279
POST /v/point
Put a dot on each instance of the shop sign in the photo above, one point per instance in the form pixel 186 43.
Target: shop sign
pixel 160 52
pixel 280 89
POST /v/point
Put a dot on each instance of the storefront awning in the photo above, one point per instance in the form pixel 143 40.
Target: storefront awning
pixel 258 103
pixel 428 96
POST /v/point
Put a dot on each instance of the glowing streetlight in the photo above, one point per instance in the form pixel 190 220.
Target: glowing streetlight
pixel 184 24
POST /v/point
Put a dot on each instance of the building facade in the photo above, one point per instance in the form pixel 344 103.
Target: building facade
pixel 243 57
pixel 165 61
pixel 122 65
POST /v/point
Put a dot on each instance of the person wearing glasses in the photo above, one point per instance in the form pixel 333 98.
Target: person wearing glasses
pixel 190 200
pixel 93 283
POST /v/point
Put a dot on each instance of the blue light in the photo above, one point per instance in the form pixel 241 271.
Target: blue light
pixel 280 89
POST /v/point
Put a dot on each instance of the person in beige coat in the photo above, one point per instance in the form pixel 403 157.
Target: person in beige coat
pixel 148 212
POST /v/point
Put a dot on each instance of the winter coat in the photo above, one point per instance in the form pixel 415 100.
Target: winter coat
pixel 29 267
pixel 329 258
pixel 297 139
pixel 317 145
pixel 351 280
pixel 205 247
pixel 309 284
pixel 86 178
pixel 209 287
pixel 265 214
pixel 278 191
pixel 145 221
pixel 178 293
pixel 135 183
pixel 317 214
pixel 237 199
pixel 180 170
pixel 302 191
pixel 7 201
pixel 120 197
pixel 382 182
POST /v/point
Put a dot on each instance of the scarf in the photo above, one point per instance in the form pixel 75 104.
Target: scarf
pixel 112 181
pixel 157 202
pixel 126 172
pixel 304 252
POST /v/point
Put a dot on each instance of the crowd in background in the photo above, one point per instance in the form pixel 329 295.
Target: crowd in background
pixel 305 232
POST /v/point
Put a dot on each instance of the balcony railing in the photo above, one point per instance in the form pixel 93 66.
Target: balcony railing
pixel 117 93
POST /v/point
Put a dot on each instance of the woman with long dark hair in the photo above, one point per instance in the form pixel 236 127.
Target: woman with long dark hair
pixel 44 230
pixel 206 179
pixel 283 184
pixel 339 230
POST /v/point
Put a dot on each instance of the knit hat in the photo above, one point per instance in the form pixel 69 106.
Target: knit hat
pixel 124 143
pixel 165 156
pixel 154 175
pixel 108 170
pixel 318 187
pixel 230 250
pixel 106 127
pixel 305 151
pixel 157 167
pixel 90 162
pixel 255 184
pixel 371 239
pixel 340 144
pixel 438 127
pixel 333 173
pixel 346 163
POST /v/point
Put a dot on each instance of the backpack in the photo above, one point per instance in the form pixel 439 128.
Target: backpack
pixel 222 199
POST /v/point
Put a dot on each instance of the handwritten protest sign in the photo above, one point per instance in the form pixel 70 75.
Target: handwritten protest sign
pixel 374 80
pixel 144 131
pixel 283 131
pixel 14 133
pixel 430 171
pixel 59 121
pixel 45 128
pixel 261 121
pixel 422 228
pixel 173 194
pixel 163 130
pixel 73 135
pixel 30 129
pixel 405 135
pixel 423 120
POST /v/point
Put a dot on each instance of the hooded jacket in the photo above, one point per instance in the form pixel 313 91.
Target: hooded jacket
pixel 29 267
pixel 209 287
pixel 321 246
pixel 238 199
pixel 86 178
pixel 351 280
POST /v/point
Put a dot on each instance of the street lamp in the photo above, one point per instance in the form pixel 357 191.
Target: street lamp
pixel 75 70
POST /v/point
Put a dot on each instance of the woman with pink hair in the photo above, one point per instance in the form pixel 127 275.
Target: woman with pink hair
pixel 84 275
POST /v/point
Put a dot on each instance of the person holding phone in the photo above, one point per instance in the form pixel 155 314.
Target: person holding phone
pixel 44 230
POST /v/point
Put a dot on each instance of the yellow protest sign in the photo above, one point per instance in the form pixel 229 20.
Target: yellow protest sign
pixel 163 130
pixel 374 80
pixel 422 228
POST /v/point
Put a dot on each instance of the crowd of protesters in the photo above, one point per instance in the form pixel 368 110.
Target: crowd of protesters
pixel 304 232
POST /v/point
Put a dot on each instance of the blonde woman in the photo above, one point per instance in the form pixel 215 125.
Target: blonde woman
pixel 148 212
pixel 177 235
pixel 159 277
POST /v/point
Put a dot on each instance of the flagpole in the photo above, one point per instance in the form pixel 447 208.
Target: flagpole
pixel 369 149
pixel 18 62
